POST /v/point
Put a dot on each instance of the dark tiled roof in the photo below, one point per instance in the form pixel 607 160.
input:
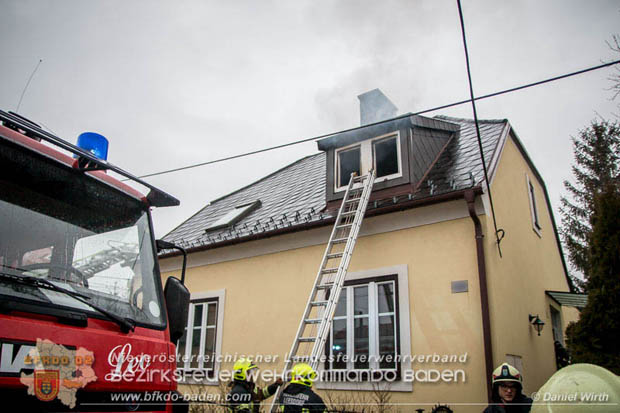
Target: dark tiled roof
pixel 295 195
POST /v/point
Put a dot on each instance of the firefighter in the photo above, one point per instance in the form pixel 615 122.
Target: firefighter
pixel 507 391
pixel 245 396
pixel 298 396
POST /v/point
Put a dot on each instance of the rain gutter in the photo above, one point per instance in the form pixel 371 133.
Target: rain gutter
pixel 470 198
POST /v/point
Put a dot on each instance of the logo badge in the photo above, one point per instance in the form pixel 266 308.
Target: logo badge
pixel 46 384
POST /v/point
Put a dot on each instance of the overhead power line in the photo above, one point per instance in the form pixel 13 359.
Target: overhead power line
pixel 473 105
pixel 449 105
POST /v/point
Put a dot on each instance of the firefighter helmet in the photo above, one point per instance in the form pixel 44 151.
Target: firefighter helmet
pixel 592 383
pixel 241 369
pixel 302 373
pixel 507 373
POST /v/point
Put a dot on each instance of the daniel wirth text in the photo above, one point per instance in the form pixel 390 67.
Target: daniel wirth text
pixel 575 397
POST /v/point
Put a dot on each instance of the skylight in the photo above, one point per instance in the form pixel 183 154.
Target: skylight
pixel 235 215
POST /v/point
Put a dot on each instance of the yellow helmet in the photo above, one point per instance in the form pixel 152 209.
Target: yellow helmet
pixel 302 373
pixel 241 369
pixel 507 373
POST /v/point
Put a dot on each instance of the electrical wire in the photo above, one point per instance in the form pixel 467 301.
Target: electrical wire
pixel 473 105
pixel 27 84
pixel 449 105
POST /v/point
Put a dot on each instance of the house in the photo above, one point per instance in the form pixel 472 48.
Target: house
pixel 431 299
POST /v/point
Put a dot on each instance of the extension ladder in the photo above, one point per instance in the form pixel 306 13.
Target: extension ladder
pixel 316 321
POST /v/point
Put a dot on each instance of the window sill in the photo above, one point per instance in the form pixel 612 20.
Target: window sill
pixel 377 180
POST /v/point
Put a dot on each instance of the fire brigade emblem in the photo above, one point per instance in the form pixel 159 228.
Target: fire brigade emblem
pixel 46 384
pixel 58 372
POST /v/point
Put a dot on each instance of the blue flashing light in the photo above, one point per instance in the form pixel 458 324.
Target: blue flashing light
pixel 94 143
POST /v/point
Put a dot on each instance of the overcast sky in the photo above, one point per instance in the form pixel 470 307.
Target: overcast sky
pixel 173 83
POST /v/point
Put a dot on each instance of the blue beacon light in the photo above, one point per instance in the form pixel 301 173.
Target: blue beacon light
pixel 94 143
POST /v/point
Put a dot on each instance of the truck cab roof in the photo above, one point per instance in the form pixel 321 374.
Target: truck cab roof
pixel 25 133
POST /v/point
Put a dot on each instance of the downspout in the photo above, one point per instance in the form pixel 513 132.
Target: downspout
pixel 470 198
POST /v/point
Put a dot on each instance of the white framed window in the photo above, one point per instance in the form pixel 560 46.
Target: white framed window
pixel 364 328
pixel 533 206
pixel 348 161
pixel 381 154
pixel 370 333
pixel 201 344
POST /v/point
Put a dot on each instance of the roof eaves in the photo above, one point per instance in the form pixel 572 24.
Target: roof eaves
pixel 378 207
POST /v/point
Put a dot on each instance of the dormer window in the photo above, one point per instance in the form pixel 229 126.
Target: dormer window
pixel 381 153
pixel 349 161
pixel 386 157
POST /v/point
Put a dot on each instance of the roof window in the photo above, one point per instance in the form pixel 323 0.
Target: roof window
pixel 235 215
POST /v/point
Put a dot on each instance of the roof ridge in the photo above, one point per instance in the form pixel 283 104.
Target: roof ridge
pixel 453 118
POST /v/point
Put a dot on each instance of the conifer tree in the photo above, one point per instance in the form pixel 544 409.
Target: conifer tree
pixel 597 163
pixel 595 337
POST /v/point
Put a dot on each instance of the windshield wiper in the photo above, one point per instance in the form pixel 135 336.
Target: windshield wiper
pixel 125 324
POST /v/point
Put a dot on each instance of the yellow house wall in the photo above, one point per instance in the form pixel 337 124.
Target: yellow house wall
pixel 530 264
pixel 266 295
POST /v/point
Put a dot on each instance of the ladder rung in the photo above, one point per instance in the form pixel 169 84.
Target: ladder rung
pixel 318 303
pixel 312 321
pixel 346 214
pixel 306 339
pixel 336 255
pixel 339 240
pixel 352 200
pixel 325 286
pixel 329 271
pixel 344 226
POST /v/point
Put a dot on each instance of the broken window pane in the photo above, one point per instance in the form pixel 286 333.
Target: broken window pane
pixel 348 162
pixel 386 157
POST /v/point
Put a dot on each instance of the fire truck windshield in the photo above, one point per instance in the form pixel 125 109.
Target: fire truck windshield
pixel 82 235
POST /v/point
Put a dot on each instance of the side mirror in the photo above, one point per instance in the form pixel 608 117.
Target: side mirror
pixel 177 306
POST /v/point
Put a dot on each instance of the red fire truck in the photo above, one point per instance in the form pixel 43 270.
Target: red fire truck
pixel 85 324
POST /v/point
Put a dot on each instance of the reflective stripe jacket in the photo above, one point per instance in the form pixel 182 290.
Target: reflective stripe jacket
pixel 297 398
pixel 245 397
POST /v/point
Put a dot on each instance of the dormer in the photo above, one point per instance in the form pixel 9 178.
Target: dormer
pixel 401 151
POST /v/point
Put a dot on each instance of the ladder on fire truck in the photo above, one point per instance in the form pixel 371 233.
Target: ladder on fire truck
pixel 316 321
